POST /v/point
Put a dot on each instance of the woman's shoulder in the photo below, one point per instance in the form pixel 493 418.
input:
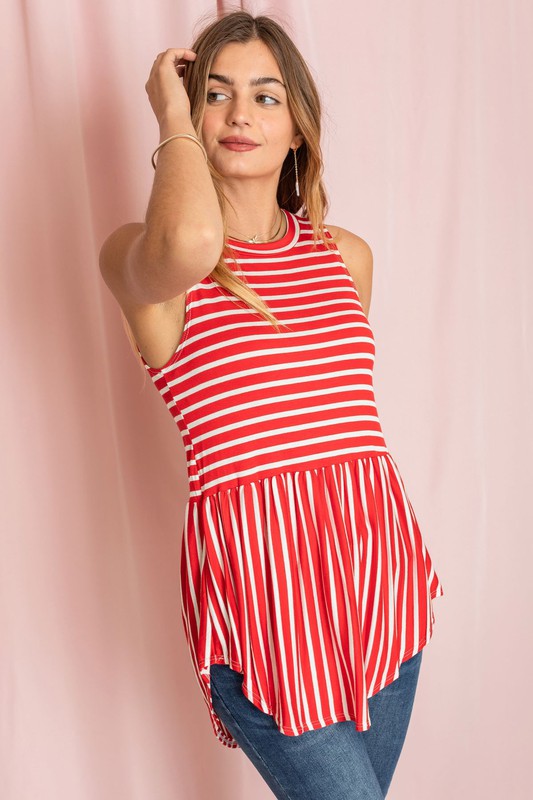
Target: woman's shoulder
pixel 358 258
pixel 355 251
pixel 351 241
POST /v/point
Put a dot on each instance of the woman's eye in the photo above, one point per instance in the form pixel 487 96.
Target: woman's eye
pixel 269 98
pixel 263 99
pixel 210 94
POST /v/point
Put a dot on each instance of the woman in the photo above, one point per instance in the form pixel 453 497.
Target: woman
pixel 306 587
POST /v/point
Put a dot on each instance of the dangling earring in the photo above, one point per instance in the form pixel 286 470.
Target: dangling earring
pixel 296 170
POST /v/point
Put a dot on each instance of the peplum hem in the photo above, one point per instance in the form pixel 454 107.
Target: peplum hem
pixel 315 584
pixel 225 737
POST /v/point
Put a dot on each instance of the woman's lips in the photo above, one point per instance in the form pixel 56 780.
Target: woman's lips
pixel 239 146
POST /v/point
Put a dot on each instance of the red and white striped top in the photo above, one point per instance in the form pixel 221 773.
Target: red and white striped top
pixel 302 563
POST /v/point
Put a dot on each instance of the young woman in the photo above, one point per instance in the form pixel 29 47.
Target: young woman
pixel 306 586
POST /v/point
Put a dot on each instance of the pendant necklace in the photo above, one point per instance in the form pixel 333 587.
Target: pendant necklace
pixel 255 240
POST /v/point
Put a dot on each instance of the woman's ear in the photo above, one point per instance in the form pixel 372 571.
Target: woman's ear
pixel 297 141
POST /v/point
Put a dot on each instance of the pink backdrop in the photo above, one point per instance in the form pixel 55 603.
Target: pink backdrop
pixel 428 149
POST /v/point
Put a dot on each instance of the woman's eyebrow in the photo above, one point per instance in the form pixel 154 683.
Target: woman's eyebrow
pixel 254 81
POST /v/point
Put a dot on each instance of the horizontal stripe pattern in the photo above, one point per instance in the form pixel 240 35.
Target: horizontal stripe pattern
pixel 302 563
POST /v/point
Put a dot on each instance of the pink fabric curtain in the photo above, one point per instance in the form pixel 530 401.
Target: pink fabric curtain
pixel 427 141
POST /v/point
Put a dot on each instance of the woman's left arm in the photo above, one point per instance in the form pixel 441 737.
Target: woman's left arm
pixel 357 256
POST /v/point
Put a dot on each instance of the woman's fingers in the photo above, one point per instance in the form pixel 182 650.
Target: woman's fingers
pixel 176 54
pixel 177 57
pixel 164 91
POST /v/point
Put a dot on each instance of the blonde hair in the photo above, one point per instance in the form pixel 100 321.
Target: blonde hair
pixel 306 110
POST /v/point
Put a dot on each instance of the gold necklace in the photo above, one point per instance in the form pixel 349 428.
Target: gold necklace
pixel 255 240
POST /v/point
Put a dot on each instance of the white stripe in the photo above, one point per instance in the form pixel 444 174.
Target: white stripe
pixel 347 608
pixel 292 283
pixel 248 405
pixel 258 545
pixel 293 265
pixel 284 414
pixel 274 383
pixel 375 608
pixel 349 451
pixel 269 351
pixel 274 337
pixel 252 454
pixel 390 577
pixel 217 299
pixel 272 653
pixel 329 710
pixel 290 488
pixel 220 329
pixel 287 259
pixel 284 431
pixel 414 563
pixel 275 591
pixel 189 568
pixel 294 681
pixel 289 295
pixel 336 630
pixel 402 562
pixel 240 577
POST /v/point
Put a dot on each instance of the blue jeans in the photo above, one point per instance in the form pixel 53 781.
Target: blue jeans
pixel 337 762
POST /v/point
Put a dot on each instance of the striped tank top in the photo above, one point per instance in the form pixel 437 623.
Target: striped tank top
pixel 302 563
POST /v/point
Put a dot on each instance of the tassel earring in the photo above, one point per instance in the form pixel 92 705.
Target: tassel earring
pixel 296 170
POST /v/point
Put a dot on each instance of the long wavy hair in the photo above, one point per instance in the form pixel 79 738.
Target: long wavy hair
pixel 306 110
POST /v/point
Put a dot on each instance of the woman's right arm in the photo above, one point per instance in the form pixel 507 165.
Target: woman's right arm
pixel 181 239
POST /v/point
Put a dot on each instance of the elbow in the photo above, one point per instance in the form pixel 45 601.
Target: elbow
pixel 206 250
pixel 193 260
pixel 162 270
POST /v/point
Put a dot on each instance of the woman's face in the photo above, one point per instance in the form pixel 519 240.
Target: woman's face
pixel 237 108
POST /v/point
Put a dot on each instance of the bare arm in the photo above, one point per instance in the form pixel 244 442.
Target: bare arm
pixel 182 236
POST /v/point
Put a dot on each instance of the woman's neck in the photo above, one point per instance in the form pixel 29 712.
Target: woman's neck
pixel 253 209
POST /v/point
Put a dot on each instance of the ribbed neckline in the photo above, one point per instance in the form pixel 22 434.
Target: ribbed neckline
pixel 285 243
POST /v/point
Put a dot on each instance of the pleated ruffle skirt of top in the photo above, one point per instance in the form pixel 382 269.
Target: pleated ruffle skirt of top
pixel 297 576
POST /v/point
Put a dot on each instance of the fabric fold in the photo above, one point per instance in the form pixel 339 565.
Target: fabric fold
pixel 314 584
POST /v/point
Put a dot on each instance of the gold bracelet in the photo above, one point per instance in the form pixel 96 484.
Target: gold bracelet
pixel 179 136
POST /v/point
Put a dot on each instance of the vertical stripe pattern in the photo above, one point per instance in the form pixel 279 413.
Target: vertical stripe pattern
pixel 302 562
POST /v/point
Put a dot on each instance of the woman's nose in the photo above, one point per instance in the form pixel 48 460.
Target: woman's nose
pixel 240 111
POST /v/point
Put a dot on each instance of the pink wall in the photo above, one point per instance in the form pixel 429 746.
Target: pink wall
pixel 428 150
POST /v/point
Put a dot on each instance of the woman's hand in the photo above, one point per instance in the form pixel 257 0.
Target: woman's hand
pixel 164 86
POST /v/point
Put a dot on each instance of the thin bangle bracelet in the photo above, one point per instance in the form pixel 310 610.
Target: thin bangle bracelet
pixel 179 136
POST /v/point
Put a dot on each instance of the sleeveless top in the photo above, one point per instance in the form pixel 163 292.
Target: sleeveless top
pixel 302 563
